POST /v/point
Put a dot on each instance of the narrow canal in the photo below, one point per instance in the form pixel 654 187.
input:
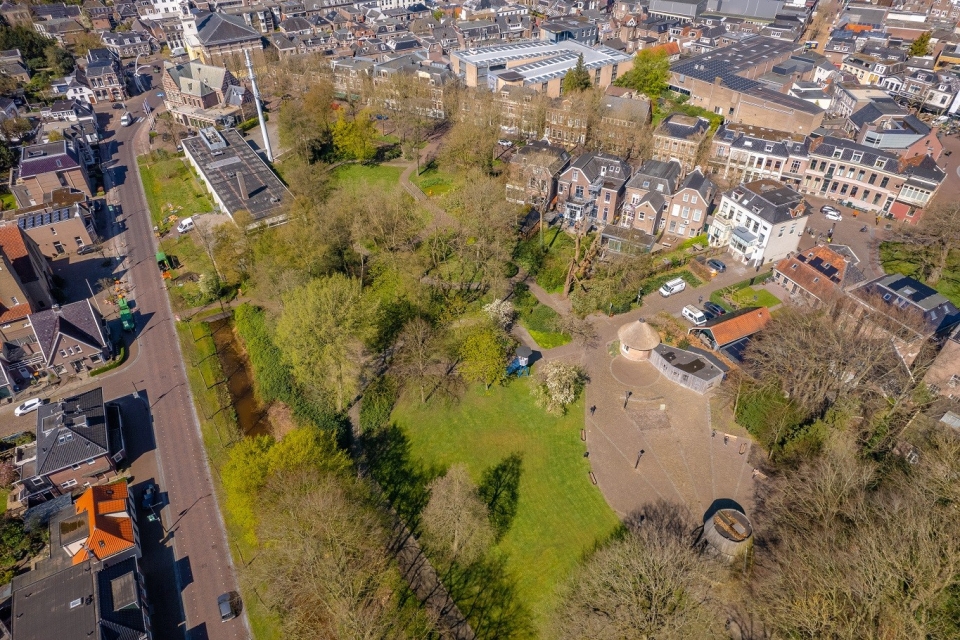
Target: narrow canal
pixel 251 417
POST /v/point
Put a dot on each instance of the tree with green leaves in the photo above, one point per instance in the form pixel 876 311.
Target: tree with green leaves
pixel 354 138
pixel 500 490
pixel 322 333
pixel 649 75
pixel 920 46
pixel 483 354
pixel 577 79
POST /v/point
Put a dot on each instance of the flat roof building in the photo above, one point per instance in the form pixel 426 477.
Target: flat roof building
pixel 237 178
pixel 538 65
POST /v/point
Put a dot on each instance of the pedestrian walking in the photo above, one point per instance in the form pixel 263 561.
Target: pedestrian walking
pixel 700 300
pixel 593 409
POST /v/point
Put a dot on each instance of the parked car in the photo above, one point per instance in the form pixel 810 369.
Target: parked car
pixel 715 264
pixel 828 209
pixel 85 249
pixel 673 286
pixel 150 496
pixel 504 143
pixel 834 215
pixel 714 308
pixel 117 105
pixel 30 405
pixel 694 315
pixel 229 605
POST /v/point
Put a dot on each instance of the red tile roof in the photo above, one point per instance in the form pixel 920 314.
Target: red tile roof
pixel 739 325
pixel 110 526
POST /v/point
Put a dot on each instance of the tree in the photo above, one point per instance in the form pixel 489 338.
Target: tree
pixel 577 79
pixel 322 332
pixel 649 75
pixel 501 312
pixel 85 41
pixel 455 523
pixel 934 237
pixel 323 566
pixel 921 46
pixel 242 476
pixel 415 359
pixel 499 489
pixel 58 60
pixel 354 138
pixel 558 385
pixel 472 140
pixel 483 354
pixel 648 583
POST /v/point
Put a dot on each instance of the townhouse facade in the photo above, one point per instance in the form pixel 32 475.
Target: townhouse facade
pixel 592 188
pixel 760 222
pixel 679 137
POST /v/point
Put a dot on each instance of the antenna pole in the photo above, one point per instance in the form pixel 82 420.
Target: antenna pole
pixel 256 99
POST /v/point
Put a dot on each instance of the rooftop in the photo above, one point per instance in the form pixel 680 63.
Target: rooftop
pixel 71 431
pixel 725 63
pixel 240 178
pixel 545 60
pixel 688 362
pixel 770 200
pixel 737 325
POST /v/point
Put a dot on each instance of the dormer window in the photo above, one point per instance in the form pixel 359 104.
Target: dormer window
pixel 837 153
pixel 879 163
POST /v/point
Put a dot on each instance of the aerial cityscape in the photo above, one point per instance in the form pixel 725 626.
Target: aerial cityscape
pixel 479 319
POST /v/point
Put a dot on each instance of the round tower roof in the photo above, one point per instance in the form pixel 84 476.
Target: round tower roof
pixel 639 335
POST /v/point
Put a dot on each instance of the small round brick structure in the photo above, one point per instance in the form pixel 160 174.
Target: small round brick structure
pixel 728 532
pixel 637 340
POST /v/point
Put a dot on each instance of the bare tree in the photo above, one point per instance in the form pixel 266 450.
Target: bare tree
pixel 419 359
pixel 323 565
pixel 455 522
pixel 650 583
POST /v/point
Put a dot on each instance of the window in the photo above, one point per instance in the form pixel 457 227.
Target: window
pixel 579 192
pixel 876 199
pixel 92 461
pixel 693 200
pixel 76 348
pixel 660 187
pixel 873 178
pixel 853 192
pixel 79 601
pixel 686 212
pixel 884 182
pixel 697 214
pixel 635 199
pixel 780 234
pixel 686 197
pixel 795 166
pixel 15 300
pixel 646 184
pixel 58 248
pixel 75 466
pixel 879 163
pixel 576 174
pixel 53 231
pixel 63 353
pixel 858 156
pixel 837 153
pixel 66 437
pixel 860 175
pixel 67 485
pixel 865 194
pixel 606 196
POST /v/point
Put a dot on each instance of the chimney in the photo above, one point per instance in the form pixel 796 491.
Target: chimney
pixel 244 194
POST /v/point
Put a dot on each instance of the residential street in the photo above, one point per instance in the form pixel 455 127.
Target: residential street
pixel 186 561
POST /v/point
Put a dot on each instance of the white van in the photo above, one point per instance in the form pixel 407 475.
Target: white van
pixel 126 119
pixel 672 286
pixel 694 315
pixel 185 225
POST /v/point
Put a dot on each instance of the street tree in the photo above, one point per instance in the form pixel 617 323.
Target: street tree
pixel 934 237
pixel 455 521
pixel 648 583
pixel 577 79
pixel 322 333
pixel 649 75
pixel 921 46
pixel 483 354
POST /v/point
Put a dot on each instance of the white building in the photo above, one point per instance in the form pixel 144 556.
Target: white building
pixel 168 8
pixel 760 221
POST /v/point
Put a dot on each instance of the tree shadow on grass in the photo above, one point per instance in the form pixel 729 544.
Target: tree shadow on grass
pixel 486 594
pixel 403 480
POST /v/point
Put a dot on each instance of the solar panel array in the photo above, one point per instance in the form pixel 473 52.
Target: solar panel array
pixel 32 221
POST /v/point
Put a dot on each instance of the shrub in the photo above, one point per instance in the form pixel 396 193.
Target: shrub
pixel 118 360
pixel 377 404
pixel 558 385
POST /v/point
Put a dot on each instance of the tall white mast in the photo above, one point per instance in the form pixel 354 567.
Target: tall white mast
pixel 256 98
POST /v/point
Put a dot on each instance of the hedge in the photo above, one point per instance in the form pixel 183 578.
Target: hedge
pixel 117 361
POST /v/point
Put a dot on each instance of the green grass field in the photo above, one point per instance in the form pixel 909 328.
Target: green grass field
pixel 171 187
pixel 561 514
pixel 751 297
pixel 7 201
pixel 898 258
pixel 363 176
pixel 433 182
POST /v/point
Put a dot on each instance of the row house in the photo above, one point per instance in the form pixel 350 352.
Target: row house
pixel 657 200
pixel 262 17
pixel 100 15
pixel 926 89
pixel 127 44
pixel 102 74
pixel 200 95
pixel 869 179
pixel 592 188
pixel 743 153
pixel 760 221
pixel 48 168
pixel 870 69
pixel 680 137
pixel 533 173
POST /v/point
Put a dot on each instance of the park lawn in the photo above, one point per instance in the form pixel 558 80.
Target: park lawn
pixel 899 258
pixel 560 246
pixel 171 188
pixel 433 182
pixel 750 297
pixel 541 322
pixel 561 515
pixel 363 176
pixel 185 291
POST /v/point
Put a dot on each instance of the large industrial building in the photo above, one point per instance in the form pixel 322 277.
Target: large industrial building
pixel 538 65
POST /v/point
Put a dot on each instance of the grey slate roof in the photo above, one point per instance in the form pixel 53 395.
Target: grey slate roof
pixel 768 199
pixel 217 28
pixel 654 174
pixel 690 363
pixel 938 313
pixel 76 320
pixel 118 601
pixel 682 127
pixel 698 182
pixel 41 608
pixel 71 431
pixel 829 144
pixel 874 110
pixel 590 164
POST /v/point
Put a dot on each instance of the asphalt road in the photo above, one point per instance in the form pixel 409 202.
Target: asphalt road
pixel 186 562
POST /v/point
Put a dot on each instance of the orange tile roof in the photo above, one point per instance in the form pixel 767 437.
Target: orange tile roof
pixel 110 526
pixel 669 48
pixel 810 278
pixel 15 312
pixel 739 326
